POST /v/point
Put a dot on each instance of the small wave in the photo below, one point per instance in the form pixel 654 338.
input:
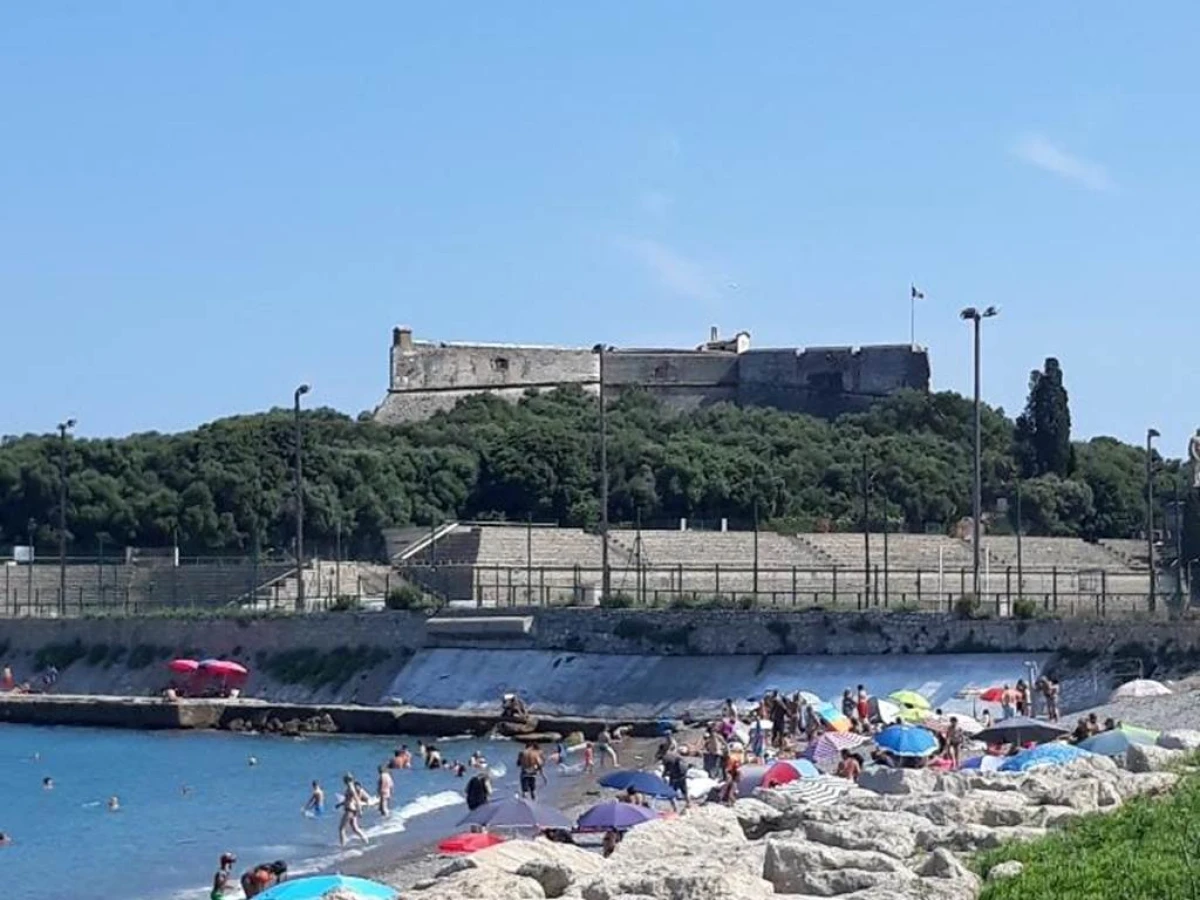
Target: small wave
pixel 498 771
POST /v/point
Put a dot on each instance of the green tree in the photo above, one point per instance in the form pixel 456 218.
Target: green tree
pixel 1043 430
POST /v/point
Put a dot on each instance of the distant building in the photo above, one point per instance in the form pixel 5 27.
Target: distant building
pixel 823 381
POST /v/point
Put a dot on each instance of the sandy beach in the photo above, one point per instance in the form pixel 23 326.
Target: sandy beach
pixel 404 867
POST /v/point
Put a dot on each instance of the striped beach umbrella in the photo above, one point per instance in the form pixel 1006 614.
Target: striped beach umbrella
pixel 826 750
pixel 823 791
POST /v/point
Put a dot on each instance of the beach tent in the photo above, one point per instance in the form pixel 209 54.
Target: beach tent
pixel 1140 688
pixel 788 770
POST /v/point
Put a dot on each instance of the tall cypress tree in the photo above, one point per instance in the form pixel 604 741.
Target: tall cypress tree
pixel 1043 432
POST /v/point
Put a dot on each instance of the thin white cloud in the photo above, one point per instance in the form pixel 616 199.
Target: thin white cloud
pixel 656 203
pixel 672 270
pixel 1044 154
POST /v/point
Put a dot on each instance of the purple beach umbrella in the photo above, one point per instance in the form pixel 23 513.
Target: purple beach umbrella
pixel 613 815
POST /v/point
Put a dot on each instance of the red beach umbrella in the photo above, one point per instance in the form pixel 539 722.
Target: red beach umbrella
pixel 470 842
pixel 992 695
pixel 183 666
pixel 226 668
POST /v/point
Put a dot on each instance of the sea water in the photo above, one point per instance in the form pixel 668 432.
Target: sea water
pixel 186 798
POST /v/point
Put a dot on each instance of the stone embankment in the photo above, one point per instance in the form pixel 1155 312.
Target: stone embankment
pixel 898 835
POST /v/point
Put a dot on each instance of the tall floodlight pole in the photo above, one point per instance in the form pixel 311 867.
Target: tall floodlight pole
pixel 64 429
pixel 605 577
pixel 299 477
pixel 976 317
pixel 1151 434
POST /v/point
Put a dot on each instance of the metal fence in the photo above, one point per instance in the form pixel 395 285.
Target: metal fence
pixel 1053 591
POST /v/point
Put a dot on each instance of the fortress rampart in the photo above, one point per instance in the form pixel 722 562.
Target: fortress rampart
pixel 426 376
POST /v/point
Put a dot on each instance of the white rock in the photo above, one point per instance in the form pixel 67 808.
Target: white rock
pixel 1183 739
pixel 897 781
pixel 1005 870
pixel 759 818
pixel 1140 758
pixel 483 884
pixel 554 877
pixel 801 867
pixel 943 864
pixel 693 879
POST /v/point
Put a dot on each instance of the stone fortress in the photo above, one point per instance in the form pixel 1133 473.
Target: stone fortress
pixel 427 376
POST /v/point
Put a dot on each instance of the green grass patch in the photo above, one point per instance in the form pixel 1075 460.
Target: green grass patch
pixel 1148 848
pixel 316 669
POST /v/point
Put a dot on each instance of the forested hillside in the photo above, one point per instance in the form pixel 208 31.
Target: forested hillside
pixel 226 487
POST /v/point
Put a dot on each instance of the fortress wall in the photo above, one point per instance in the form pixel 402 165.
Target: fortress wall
pixel 654 369
pixel 882 369
pixel 432 367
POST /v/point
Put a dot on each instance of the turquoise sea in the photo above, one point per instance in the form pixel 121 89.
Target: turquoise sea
pixel 185 798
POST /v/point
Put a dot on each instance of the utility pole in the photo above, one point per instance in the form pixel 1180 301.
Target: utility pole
pixel 1020 561
pixel 64 429
pixel 299 392
pixel 976 317
pixel 866 529
pixel 1151 434
pixel 605 575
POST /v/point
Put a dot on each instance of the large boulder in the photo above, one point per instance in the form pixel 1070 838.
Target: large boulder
pixel 703 831
pixel 554 878
pixel 1183 739
pixel 482 884
pixel 801 867
pixel 941 864
pixel 697 878
pixel 897 781
pixel 759 818
pixel 1140 758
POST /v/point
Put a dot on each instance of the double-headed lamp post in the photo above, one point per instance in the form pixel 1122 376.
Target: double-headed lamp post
pixel 300 392
pixel 1151 434
pixel 605 579
pixel 64 430
pixel 976 316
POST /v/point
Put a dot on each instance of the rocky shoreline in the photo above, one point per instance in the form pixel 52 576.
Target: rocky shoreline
pixel 898 835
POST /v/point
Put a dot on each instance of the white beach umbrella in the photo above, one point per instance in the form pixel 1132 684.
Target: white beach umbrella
pixel 1140 687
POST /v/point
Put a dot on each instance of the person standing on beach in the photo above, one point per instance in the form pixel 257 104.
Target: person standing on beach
pixel 222 877
pixel 604 744
pixel 351 807
pixel 479 791
pixel 1008 700
pixel 385 792
pixel 316 800
pixel 529 762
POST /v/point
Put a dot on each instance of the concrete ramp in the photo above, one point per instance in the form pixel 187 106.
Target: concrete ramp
pixel 617 687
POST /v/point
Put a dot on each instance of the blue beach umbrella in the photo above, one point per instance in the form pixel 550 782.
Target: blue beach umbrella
pixel 984 763
pixel 614 815
pixel 1044 755
pixel 1107 743
pixel 906 740
pixel 517 813
pixel 643 782
pixel 317 886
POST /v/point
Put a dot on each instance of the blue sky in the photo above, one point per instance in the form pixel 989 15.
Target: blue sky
pixel 205 204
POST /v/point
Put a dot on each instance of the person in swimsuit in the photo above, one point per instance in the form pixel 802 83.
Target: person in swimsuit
pixel 529 762
pixel 385 792
pixel 316 800
pixel 222 877
pixel 351 807
pixel 604 744
pixel 263 876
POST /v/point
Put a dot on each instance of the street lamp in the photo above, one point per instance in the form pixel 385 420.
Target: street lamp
pixel 1151 434
pixel 300 392
pixel 976 316
pixel 605 578
pixel 64 429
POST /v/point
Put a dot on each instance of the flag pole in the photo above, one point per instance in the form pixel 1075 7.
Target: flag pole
pixel 912 317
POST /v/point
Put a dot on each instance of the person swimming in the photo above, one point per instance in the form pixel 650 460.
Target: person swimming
pixel 47 783
pixel 316 800
pixel 5 840
pixel 114 803
pixel 252 761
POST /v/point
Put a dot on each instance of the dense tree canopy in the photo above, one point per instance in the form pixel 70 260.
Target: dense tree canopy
pixel 226 487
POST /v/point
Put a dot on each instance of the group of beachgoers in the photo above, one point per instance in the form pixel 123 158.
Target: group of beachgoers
pixel 43 684
pixel 253 881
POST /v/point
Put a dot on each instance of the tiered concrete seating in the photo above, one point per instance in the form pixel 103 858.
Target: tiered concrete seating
pixel 1131 551
pixel 1068 554
pixel 25 589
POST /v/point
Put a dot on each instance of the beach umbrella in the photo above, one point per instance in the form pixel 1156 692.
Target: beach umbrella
pixel 909 698
pixel 992 695
pixel 517 813
pixel 643 782
pixel 984 763
pixel 914 715
pixel 471 842
pixel 342 887
pixel 749 778
pixel 183 666
pixel 788 770
pixel 1045 755
pixel 1020 730
pixel 226 668
pixel 827 749
pixel 823 791
pixel 1107 743
pixel 966 724
pixel 1139 688
pixel 832 716
pixel 883 710
pixel 613 815
pixel 1140 735
pixel 810 698
pixel 906 740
